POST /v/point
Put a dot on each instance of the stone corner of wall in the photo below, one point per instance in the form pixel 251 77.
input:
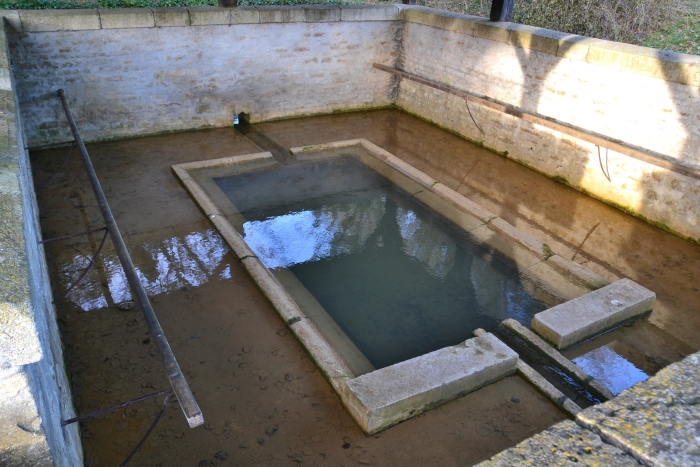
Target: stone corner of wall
pixel 660 64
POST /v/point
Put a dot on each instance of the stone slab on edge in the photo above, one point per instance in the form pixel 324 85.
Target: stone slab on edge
pixel 392 394
pixel 656 421
pixel 564 444
pixel 583 317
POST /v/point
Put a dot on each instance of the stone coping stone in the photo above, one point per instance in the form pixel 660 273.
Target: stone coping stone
pixel 392 394
pixel 658 420
pixel 563 444
pixel 171 17
pixel 124 18
pixel 583 317
pixel 19 341
pixel 664 65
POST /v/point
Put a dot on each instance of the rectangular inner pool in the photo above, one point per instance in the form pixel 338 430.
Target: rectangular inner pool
pixel 399 279
pixel 381 272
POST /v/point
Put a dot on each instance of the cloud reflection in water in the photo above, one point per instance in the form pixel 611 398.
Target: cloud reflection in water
pixel 167 265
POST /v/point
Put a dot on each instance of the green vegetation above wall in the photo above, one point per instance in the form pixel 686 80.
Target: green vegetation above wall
pixel 662 24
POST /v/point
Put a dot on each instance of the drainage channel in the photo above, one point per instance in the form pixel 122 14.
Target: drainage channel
pixel 180 388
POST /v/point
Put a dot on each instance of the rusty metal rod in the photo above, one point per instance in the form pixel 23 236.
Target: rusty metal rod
pixel 66 237
pixel 97 413
pixel 636 152
pixel 182 390
pixel 85 271
pixel 49 146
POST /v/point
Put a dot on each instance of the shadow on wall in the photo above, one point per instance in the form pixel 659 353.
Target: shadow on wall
pixel 548 84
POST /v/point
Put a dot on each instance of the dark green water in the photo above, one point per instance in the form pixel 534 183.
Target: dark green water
pixel 399 279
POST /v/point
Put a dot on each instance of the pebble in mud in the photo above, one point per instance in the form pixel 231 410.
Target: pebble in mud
pixel 127 306
pixel 204 463
pixel 271 430
pixel 261 440
pixel 282 332
pixel 221 455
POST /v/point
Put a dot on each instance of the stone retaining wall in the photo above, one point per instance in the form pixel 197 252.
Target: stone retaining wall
pixel 643 97
pixel 34 389
pixel 153 71
pixel 143 71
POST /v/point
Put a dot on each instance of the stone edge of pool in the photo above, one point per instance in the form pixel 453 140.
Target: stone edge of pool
pixel 384 397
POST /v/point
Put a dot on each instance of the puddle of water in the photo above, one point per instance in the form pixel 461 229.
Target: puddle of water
pixel 172 263
pixel 399 279
pixel 611 369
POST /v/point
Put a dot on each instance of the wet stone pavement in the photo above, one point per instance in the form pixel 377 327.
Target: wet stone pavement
pixel 263 400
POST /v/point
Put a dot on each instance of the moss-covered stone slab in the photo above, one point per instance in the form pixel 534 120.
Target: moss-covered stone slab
pixel 564 444
pixel 657 421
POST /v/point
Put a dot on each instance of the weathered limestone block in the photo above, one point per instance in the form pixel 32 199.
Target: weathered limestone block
pixel 369 13
pixel 583 317
pixel 564 444
pixel 19 342
pixel 389 395
pixel 281 14
pixel 245 15
pixel 122 18
pixel 58 20
pixel 171 17
pixel 322 13
pixel 206 16
pixel 658 420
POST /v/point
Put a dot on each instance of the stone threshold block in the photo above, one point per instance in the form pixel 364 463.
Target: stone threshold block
pixel 584 317
pixel 387 396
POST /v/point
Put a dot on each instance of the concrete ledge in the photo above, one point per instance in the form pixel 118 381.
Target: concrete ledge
pixel 124 18
pixel 392 394
pixel 58 20
pixel 322 13
pixel 369 13
pixel 171 17
pixel 584 317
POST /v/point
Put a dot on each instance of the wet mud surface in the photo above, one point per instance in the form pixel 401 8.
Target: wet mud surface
pixel 263 400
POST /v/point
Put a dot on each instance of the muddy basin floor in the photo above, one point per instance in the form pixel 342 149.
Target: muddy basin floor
pixel 263 400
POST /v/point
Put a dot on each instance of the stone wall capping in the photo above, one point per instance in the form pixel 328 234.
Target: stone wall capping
pixel 440 19
pixel 534 38
pixel 209 16
pixel 322 13
pixel 13 22
pixel 660 64
pixel 124 18
pixel 281 14
pixel 59 20
pixel 386 12
pixel 171 17
pixel 664 65
pixel 245 15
